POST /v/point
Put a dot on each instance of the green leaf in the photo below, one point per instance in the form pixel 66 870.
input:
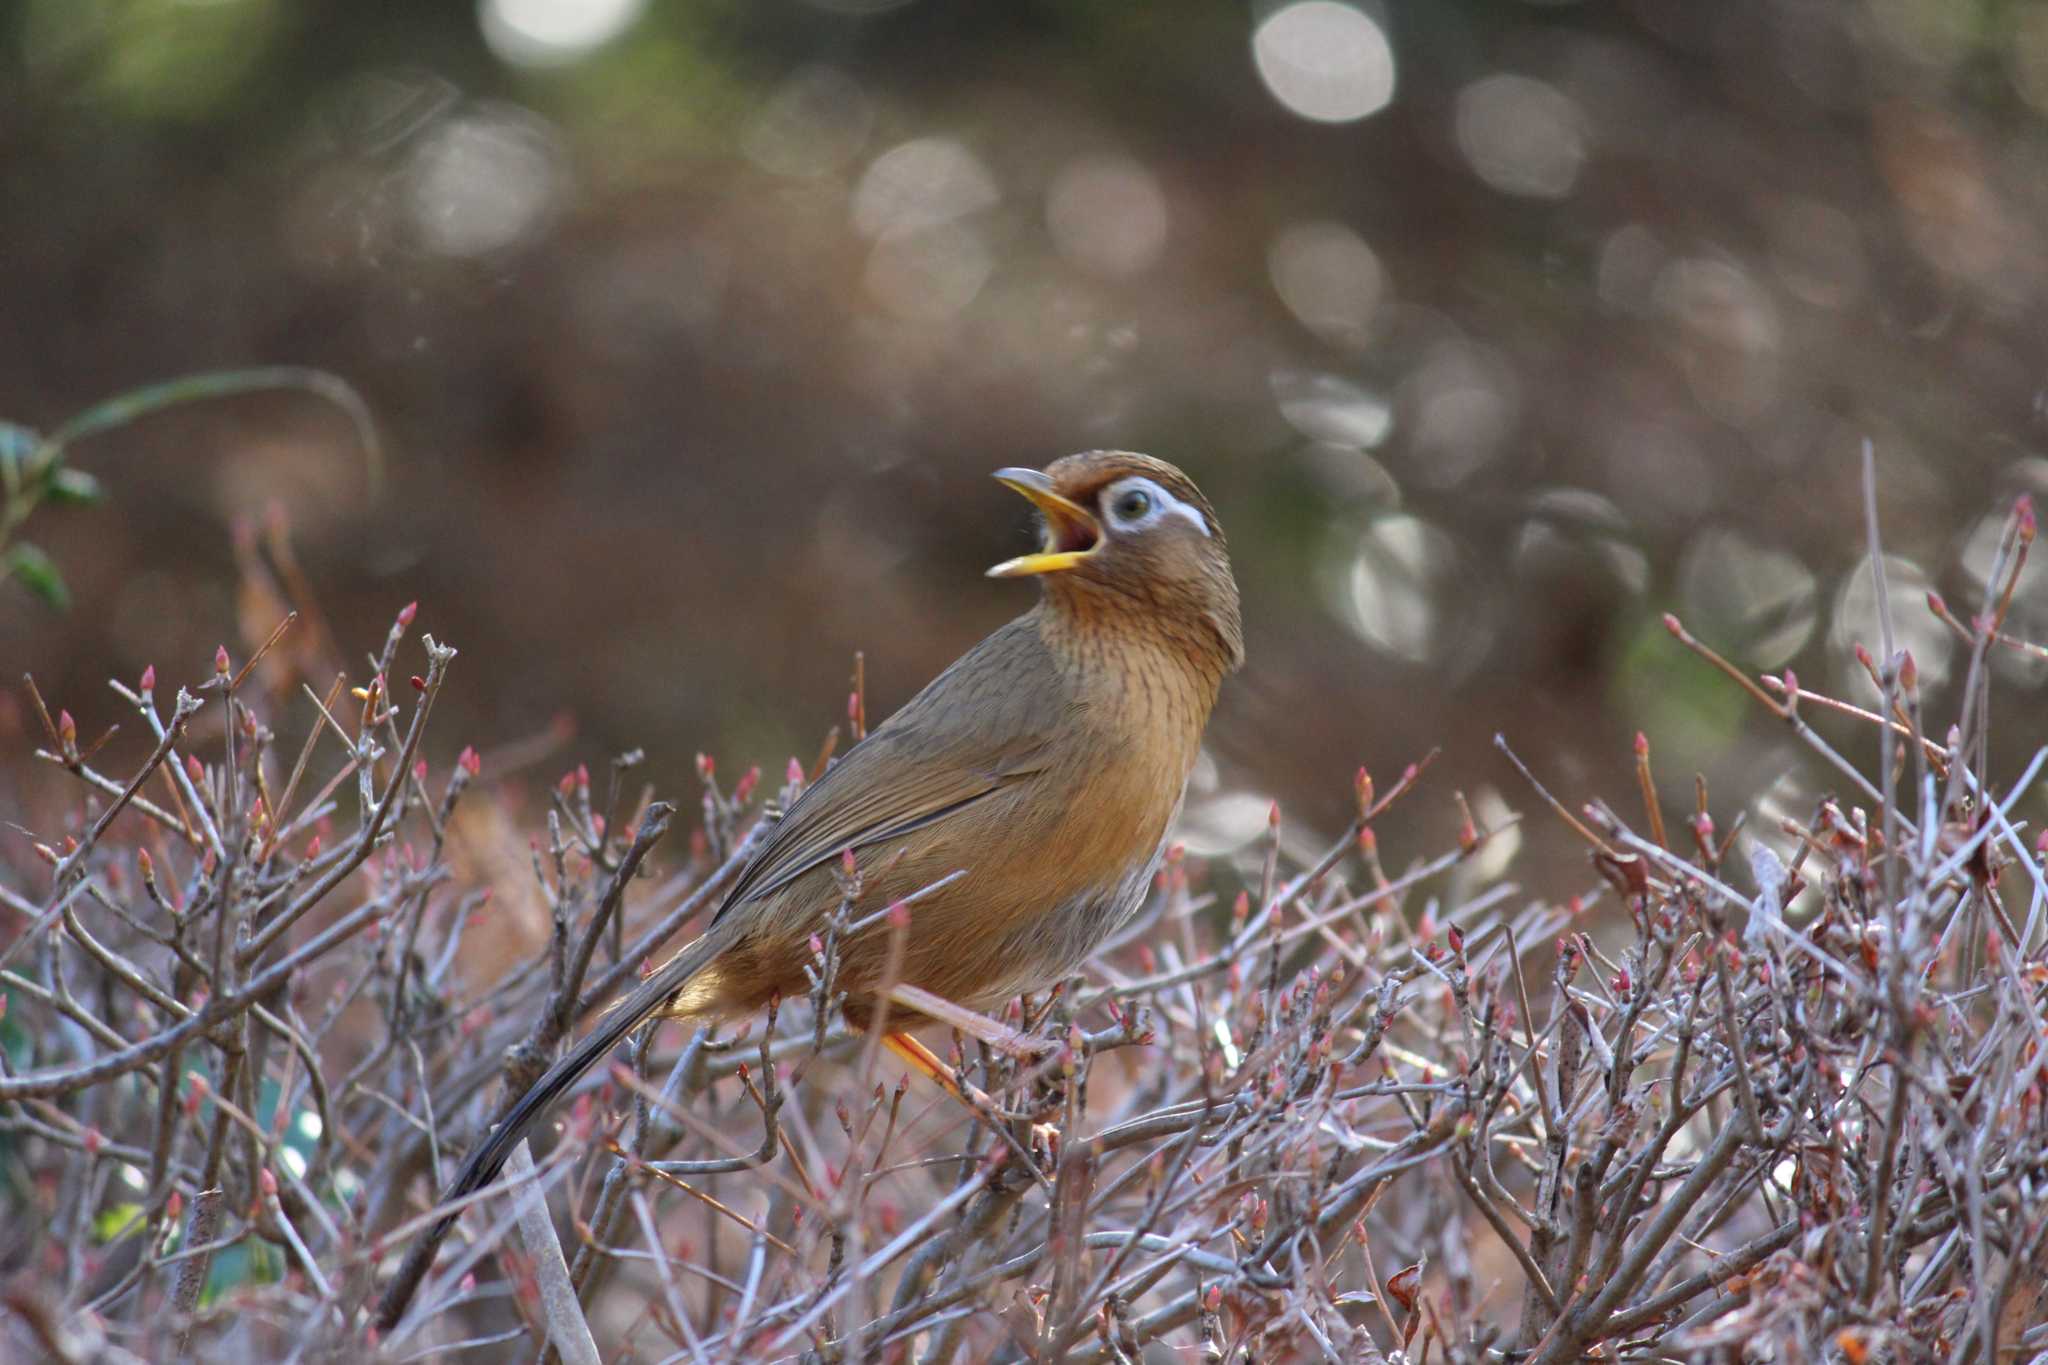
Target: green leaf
pixel 38 574
pixel 252 1262
pixel 14 1037
pixel 114 1223
pixel 17 443
pixel 75 486
pixel 124 408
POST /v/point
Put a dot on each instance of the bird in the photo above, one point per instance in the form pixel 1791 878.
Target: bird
pixel 1046 766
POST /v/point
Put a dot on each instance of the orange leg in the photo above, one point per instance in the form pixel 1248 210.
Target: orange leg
pixel 924 1061
pixel 921 1059
pixel 995 1033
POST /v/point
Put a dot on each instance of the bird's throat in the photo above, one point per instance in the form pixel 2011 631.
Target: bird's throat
pixel 1142 672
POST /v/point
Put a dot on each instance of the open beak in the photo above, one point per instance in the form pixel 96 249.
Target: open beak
pixel 1071 532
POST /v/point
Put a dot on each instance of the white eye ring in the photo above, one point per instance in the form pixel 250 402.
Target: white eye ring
pixel 1138 504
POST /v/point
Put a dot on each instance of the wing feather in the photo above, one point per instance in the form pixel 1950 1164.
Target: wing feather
pixel 926 764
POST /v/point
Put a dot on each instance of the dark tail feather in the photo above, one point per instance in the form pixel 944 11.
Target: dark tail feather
pixel 488 1157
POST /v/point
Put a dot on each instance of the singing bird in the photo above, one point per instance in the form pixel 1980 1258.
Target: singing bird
pixel 1047 764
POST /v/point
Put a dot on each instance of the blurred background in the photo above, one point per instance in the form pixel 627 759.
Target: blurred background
pixel 693 331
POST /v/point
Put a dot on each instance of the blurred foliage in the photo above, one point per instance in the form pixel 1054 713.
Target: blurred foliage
pixel 1494 331
pixel 33 468
pixel 1693 716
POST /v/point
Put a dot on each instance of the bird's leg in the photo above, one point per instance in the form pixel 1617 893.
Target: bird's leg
pixel 996 1034
pixel 922 1060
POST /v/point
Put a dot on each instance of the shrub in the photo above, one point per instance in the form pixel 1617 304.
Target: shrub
pixel 1784 1106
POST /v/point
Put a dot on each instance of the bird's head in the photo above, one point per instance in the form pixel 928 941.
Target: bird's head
pixel 1126 532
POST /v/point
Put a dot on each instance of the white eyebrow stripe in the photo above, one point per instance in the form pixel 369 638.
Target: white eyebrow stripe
pixel 1176 508
pixel 1164 505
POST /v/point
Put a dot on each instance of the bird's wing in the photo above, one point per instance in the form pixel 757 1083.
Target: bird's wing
pixel 981 726
pixel 876 793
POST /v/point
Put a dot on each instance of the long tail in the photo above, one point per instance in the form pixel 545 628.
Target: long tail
pixel 488 1157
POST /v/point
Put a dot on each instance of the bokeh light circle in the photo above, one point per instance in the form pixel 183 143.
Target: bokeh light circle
pixel 1107 214
pixel 1328 278
pixel 1325 61
pixel 553 32
pixel 1520 136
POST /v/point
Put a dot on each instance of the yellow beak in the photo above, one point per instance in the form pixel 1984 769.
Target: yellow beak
pixel 1071 531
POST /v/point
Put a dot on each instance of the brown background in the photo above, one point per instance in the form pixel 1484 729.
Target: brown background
pixel 692 355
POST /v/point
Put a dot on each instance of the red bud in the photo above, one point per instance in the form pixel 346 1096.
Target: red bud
pixel 470 761
pixel 220 661
pixel 407 612
pixel 1404 1286
pixel 149 679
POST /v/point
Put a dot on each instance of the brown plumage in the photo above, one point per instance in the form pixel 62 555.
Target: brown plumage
pixel 1047 762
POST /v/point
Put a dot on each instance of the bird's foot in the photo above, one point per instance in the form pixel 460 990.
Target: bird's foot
pixel 1043 1138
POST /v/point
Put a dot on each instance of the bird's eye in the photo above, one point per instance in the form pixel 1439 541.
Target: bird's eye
pixel 1132 504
